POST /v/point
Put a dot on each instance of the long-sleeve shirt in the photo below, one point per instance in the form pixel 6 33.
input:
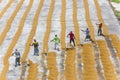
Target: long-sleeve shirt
pixel 17 54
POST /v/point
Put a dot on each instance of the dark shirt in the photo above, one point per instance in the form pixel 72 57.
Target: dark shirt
pixel 100 25
pixel 17 54
pixel 87 32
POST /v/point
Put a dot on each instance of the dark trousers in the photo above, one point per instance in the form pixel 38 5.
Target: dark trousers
pixel 99 32
pixel 17 61
pixel 72 40
pixel 88 37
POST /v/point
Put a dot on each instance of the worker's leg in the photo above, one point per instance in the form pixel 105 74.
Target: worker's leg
pixel 55 46
pixel 73 41
pixel 18 60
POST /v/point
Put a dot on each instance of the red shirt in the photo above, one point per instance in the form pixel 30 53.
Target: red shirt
pixel 71 35
pixel 100 25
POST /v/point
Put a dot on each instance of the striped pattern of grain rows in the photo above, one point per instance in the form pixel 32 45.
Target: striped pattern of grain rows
pixel 89 70
pixel 9 22
pixel 108 67
pixel 48 26
pixel 52 66
pixel 6 7
pixel 75 20
pixel 63 25
pixel 99 14
pixel 70 68
pixel 27 47
pixel 109 74
pixel 14 41
pixel 33 71
pixel 90 25
pixel 116 43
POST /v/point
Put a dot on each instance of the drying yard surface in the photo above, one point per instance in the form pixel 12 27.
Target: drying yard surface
pixel 22 21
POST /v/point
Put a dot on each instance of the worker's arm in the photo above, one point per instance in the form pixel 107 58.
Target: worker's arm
pixel 82 30
pixel 68 35
pixel 51 40
pixel 59 40
pixel 74 37
pixel 97 23
pixel 38 44
pixel 19 54
pixel 13 53
pixel 31 44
